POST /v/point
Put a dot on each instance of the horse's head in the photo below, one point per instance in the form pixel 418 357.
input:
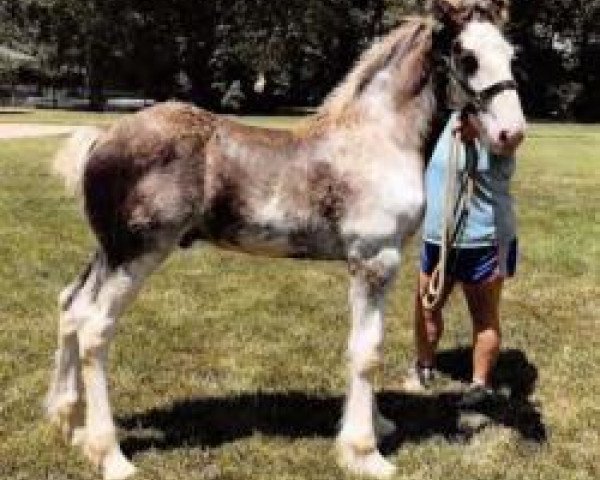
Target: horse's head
pixel 478 64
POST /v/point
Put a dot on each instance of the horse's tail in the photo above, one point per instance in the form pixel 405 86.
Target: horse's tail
pixel 70 160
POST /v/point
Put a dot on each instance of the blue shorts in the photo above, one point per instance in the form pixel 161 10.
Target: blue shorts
pixel 472 265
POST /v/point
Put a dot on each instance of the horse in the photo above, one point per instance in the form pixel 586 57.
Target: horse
pixel 346 185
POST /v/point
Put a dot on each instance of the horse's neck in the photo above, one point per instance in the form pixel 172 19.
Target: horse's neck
pixel 406 119
pixel 392 90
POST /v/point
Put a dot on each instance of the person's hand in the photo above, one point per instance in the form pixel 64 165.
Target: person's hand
pixel 466 129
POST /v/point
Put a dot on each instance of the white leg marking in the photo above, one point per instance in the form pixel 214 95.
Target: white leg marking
pixel 64 402
pixel 99 440
pixel 357 441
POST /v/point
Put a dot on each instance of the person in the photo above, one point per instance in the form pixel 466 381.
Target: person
pixel 482 256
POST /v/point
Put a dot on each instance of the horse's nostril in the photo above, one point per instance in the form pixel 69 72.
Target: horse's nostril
pixel 510 139
pixel 518 137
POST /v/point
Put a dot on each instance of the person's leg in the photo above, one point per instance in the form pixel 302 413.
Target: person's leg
pixel 483 301
pixel 429 324
pixel 428 329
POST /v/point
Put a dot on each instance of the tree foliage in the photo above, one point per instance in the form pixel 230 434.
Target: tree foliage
pixel 559 42
pixel 262 54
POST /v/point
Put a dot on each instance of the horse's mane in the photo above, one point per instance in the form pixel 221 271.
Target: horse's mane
pixel 371 62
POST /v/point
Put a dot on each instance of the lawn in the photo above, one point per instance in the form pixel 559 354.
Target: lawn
pixel 65 117
pixel 232 367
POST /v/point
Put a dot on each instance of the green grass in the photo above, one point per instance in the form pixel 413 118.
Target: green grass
pixel 232 367
pixel 66 117
pixel 56 117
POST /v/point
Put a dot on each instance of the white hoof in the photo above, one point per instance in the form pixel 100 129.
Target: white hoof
pixel 371 464
pixel 383 426
pixel 104 453
pixel 116 466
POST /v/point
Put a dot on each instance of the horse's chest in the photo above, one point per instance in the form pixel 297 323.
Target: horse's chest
pixel 391 204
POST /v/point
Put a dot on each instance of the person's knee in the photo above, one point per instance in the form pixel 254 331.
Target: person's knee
pixel 489 337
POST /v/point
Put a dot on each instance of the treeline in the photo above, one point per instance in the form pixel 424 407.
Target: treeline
pixel 266 54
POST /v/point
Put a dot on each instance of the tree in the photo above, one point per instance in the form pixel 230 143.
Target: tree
pixel 559 42
pixel 214 50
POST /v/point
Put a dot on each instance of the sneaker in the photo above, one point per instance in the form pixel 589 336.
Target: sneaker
pixel 418 378
pixel 477 395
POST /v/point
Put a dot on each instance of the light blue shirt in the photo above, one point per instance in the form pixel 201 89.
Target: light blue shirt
pixel 491 217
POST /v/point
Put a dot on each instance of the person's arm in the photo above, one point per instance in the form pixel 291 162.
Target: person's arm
pixel 466 130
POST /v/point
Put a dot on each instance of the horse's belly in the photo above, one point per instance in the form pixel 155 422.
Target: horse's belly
pixel 310 242
pixel 261 241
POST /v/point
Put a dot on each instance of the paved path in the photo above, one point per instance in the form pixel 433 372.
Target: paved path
pixel 29 130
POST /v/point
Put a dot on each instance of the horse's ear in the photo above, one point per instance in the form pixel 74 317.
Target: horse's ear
pixel 495 11
pixel 450 13
pixel 500 11
pixel 456 13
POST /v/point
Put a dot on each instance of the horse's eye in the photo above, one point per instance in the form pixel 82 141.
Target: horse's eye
pixel 517 70
pixel 469 64
pixel 457 48
pixel 514 65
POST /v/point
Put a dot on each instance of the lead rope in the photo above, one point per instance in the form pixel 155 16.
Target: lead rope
pixel 455 215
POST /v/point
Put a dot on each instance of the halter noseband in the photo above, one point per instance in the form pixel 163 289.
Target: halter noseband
pixel 478 100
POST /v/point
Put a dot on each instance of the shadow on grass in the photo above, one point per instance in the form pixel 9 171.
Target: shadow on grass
pixel 210 422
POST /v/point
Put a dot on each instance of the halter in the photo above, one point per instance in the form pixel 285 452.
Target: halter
pixel 478 100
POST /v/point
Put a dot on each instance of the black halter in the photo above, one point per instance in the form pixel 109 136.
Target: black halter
pixel 478 100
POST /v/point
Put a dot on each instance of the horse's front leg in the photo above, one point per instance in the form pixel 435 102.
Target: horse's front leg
pixel 357 441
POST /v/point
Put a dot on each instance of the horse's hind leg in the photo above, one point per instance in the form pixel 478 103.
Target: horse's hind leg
pixel 64 402
pixel 115 288
pixel 357 441
pixel 89 310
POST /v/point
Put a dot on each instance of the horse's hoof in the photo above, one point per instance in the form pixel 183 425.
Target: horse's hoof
pixel 371 464
pixel 107 456
pixel 384 427
pixel 117 467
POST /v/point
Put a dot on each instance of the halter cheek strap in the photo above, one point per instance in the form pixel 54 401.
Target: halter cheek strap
pixel 478 100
